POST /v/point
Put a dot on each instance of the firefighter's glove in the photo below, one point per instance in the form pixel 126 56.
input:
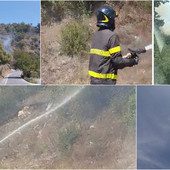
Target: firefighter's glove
pixel 128 55
pixel 136 60
pixel 134 55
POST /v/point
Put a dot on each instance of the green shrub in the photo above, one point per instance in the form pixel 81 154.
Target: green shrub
pixel 74 38
pixel 20 36
pixel 1 71
pixel 130 117
pixel 27 62
pixel 4 56
pixel 161 62
pixel 67 138
pixel 21 44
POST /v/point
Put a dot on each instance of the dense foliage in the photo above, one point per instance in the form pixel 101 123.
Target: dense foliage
pixel 29 63
pixel 130 117
pixel 53 11
pixel 25 47
pixel 74 38
pixel 4 56
pixel 161 58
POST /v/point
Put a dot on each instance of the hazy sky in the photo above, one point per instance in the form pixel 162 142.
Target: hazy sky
pixel 164 12
pixel 20 11
pixel 153 127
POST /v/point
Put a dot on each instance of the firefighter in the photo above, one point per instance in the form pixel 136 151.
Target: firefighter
pixel 105 53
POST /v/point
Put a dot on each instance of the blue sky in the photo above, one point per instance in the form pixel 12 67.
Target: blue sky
pixel 153 127
pixel 20 11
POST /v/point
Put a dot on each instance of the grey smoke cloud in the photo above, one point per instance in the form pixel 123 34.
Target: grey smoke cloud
pixel 163 11
pixel 166 28
pixel 7 44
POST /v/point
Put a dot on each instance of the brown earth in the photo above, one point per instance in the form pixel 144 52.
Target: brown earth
pixel 5 70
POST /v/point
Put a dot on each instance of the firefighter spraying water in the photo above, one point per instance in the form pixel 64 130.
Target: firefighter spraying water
pixel 106 58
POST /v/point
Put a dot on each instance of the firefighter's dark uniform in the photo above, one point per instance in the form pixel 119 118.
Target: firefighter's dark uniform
pixel 106 58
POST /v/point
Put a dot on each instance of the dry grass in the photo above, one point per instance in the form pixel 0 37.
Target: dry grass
pixel 104 143
pixel 101 142
pixel 57 68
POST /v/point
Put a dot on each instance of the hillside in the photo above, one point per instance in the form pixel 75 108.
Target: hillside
pixel 133 25
pixel 67 127
pixel 20 36
pixel 22 41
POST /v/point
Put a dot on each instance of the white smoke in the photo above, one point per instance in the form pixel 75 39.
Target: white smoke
pixel 7 44
pixel 166 28
pixel 163 11
pixel 159 38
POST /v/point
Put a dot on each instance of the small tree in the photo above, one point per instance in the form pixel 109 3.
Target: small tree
pixel 74 38
pixel 27 62
pixel 4 56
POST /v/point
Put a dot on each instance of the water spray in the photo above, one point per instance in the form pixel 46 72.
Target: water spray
pixel 148 47
pixel 134 53
pixel 66 100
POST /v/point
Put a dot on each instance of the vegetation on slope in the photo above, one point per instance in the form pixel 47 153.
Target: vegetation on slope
pixel 24 46
pixel 28 62
pixel 4 56
pixel 24 36
pixel 161 58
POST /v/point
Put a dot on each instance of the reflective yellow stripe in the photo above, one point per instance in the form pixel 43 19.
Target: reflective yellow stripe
pixel 105 53
pixel 114 50
pixel 102 76
pixel 100 52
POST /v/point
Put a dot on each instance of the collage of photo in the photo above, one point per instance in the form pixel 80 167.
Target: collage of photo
pixel 84 84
